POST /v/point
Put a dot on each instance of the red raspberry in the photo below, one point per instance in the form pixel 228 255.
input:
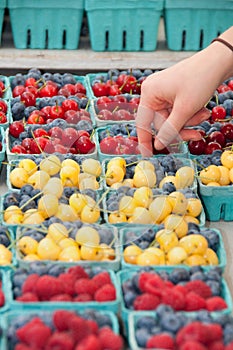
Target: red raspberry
pixel 28 297
pixel 68 281
pixel 143 278
pixel 229 346
pixel 215 332
pixel 60 340
pixel 21 346
pixel 29 283
pixel 216 345
pixel 174 298
pixel 193 345
pixel 85 286
pixel 93 325
pixel 146 301
pixel 194 302
pixel 83 297
pixel 34 333
pixel 78 328
pixel 61 319
pixel 110 340
pixel 160 341
pixel 216 303
pixel 78 272
pixel 48 286
pixel 101 278
pixel 180 289
pixel 195 331
pixel 105 293
pixel 91 342
pixel 61 297
pixel 154 285
pixel 199 287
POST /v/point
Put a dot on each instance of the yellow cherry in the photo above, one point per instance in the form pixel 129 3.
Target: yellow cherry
pixel 211 257
pixel 145 177
pixel 67 242
pixel 141 215
pixel 11 210
pixel 224 176
pixel 194 207
pixel 195 260
pixel 176 255
pixel 131 253
pixel 39 179
pixel 177 224
pixel 78 201
pixel 127 205
pixel 189 218
pixel 48 205
pixel 179 202
pixel 51 164
pixel 66 213
pixel 15 219
pixel 160 208
pixel 90 214
pixel 92 166
pixel 48 249
pixel 69 254
pixel 119 161
pixel 210 174
pixel 69 176
pixel 18 177
pixel 194 244
pixel 32 217
pixel 88 182
pixel 27 245
pixel 29 165
pixel 184 176
pixel 143 196
pixel 57 232
pixel 114 173
pixel 143 165
pixel 72 163
pixel 54 186
pixel 169 178
pixel 31 257
pixel 231 174
pixel 227 159
pixel 87 236
pixel 88 252
pixel 147 258
pixel 213 183
pixel 117 218
pixel 167 239
pixel 5 255
pixel 159 253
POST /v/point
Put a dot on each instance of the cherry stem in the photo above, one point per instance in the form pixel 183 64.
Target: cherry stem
pixel 31 199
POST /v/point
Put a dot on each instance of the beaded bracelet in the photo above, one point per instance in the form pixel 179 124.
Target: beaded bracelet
pixel 224 42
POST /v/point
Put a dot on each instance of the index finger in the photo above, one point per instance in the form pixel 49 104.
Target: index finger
pixel 144 121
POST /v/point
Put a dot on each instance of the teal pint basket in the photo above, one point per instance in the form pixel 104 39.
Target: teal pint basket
pixel 46 24
pixel 2 12
pixel 190 25
pixel 120 25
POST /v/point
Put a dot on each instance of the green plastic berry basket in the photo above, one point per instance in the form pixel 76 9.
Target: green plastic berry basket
pixel 200 21
pixel 8 115
pixel 3 142
pixel 7 95
pixel 126 275
pixel 11 156
pixel 217 201
pixel 180 150
pixel 15 317
pixel 201 218
pixel 3 5
pixel 13 164
pixel 4 288
pixel 183 162
pixel 113 306
pixel 46 24
pixel 123 25
pixel 135 316
pixel 113 264
pixel 221 251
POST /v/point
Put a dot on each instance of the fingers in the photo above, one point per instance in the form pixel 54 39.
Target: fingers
pixel 199 117
pixel 144 121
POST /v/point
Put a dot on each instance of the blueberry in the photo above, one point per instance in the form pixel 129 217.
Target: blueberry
pixel 55 270
pixel 18 79
pixel 168 187
pixel 47 76
pixel 228 333
pixel 68 78
pixel 89 192
pixel 34 73
pixel 214 286
pixel 204 316
pixel 26 204
pixel 18 279
pixel 28 110
pixel 61 123
pixel 17 111
pixel 11 199
pixel 147 72
pixel 214 275
pixel 142 335
pixel 38 267
pixel 193 228
pixel 57 78
pixel 170 322
pixel 26 190
pixel 106 235
pixel 85 125
pixel 179 275
pixel 198 276
pixel 162 309
pixel 147 322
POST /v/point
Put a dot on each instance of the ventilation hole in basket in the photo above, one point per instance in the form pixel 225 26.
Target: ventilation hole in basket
pixel 201 39
pixel 106 39
pixel 183 39
pixel 124 39
pixel 64 38
pixel 141 39
pixel 46 38
pixel 28 37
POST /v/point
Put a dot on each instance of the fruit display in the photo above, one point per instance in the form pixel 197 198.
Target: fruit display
pixel 116 82
pixel 55 285
pixel 69 243
pixel 184 245
pixel 167 329
pixel 180 289
pixel 55 172
pixel 112 109
pixel 63 329
pixel 152 206
pixel 35 84
pixel 6 240
pixel 149 172
pixel 56 137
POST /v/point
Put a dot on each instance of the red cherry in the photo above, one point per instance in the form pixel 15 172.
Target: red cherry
pixel 218 112
pixel 70 88
pixel 104 102
pixel 72 116
pixel 216 136
pixel 223 88
pixel 30 82
pixel 114 90
pixel 55 131
pixel 32 89
pixel 18 90
pixel 56 112
pixel 36 117
pixel 0 146
pixel 80 88
pixel 49 90
pixel 16 128
pixel 70 104
pixel 100 89
pixel 85 145
pixel 123 114
pixel 108 145
pixel 69 137
pixel 212 146
pixel 18 149
pixel 3 106
pixel 40 132
pixel 105 114
pixel 121 79
pixel 46 111
pixel 230 84
pixel 3 118
pixel 28 99
pixel 60 149
pixel 227 131
pixel 50 147
pixel 197 147
pixel 38 144
pixel 26 143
